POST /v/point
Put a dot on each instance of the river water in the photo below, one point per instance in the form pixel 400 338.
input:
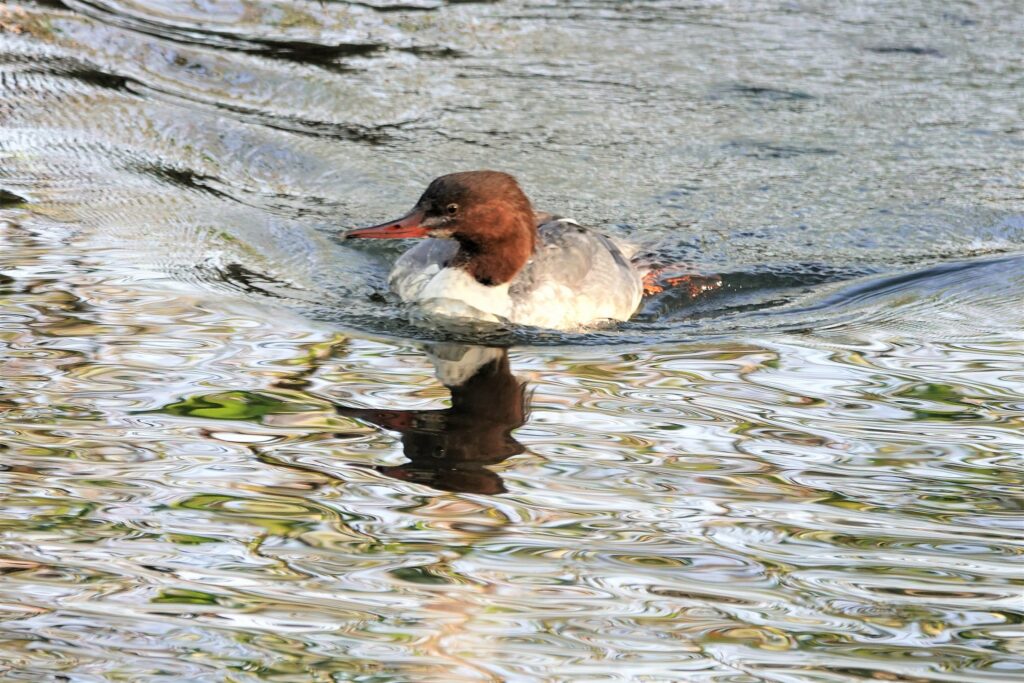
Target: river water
pixel 228 454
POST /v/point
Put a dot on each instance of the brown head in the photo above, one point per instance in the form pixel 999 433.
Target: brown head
pixel 486 212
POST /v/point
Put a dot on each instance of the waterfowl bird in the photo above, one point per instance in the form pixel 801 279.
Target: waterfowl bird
pixel 490 257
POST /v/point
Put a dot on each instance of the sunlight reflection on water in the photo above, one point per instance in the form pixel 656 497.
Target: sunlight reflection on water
pixel 220 461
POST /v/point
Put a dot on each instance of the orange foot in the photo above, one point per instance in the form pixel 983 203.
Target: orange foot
pixel 651 285
pixel 695 284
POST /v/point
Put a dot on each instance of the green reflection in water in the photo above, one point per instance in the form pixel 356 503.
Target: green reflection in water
pixel 236 405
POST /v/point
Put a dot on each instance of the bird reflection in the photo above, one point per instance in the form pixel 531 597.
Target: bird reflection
pixel 449 449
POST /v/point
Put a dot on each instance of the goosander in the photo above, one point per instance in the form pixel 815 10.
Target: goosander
pixel 491 258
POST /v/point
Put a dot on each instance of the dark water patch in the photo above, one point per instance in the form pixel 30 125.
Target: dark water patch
pixel 761 95
pixel 959 19
pixel 677 197
pixel 769 150
pixel 245 279
pixel 318 54
pixel 9 199
pixel 323 55
pixel 906 50
pixel 756 289
pixel 94 77
pixel 50 4
pixel 326 56
pixel 601 13
pixel 371 135
pixel 396 7
pixel 433 51
pixel 285 205
pixel 182 177
pixel 548 73
pixel 62 66
pixel 773 94
pixel 374 135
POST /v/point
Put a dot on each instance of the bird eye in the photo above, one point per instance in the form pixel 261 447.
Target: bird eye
pixel 452 209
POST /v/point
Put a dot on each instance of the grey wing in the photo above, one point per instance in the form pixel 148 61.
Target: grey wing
pixel 589 264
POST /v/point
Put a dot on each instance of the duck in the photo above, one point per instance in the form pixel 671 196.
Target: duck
pixel 488 256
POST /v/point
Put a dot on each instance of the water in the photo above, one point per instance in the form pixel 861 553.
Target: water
pixel 227 454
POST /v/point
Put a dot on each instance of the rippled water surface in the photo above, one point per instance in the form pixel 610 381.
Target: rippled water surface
pixel 228 454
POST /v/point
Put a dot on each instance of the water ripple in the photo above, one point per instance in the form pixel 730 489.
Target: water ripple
pixel 811 473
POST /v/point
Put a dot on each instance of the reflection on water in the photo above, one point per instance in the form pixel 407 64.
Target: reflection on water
pixel 448 449
pixel 811 473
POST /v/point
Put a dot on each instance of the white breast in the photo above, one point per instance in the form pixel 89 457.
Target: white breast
pixel 559 307
pixel 450 293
